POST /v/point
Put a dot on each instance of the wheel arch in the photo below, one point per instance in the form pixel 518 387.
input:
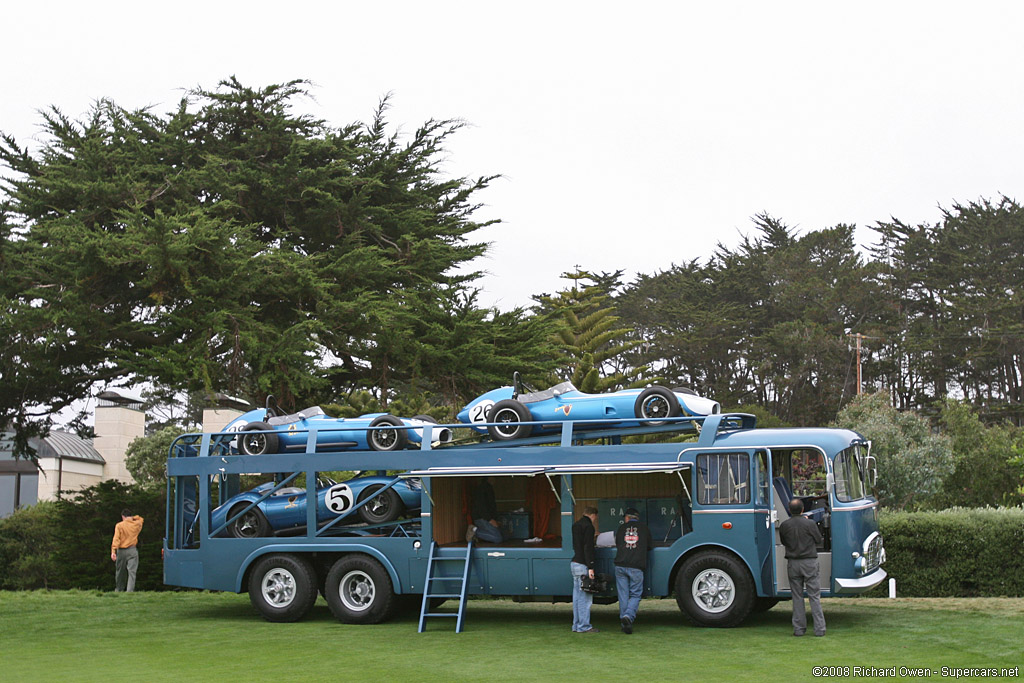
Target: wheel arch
pixel 320 556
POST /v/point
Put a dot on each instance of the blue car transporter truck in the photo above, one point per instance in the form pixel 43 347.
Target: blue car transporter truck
pixel 714 505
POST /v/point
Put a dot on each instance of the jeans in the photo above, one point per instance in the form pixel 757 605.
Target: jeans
pixel 124 568
pixel 629 583
pixel 581 600
pixel 485 531
pixel 803 575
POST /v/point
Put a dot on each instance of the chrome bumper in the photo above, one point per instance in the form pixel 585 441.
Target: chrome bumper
pixel 862 585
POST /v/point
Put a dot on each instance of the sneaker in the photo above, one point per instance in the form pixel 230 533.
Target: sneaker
pixel 589 630
pixel 471 533
pixel 627 624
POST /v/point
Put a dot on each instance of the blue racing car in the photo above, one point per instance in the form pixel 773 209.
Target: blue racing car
pixel 511 406
pixel 270 430
pixel 285 509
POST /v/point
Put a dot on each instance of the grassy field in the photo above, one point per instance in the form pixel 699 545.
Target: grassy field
pixel 85 636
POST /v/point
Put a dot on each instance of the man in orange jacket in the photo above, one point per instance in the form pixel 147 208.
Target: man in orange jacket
pixel 123 550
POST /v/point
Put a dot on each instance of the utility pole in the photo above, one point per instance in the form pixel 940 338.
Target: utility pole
pixel 858 337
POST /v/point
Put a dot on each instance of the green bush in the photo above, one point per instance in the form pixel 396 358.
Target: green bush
pixel 959 552
pixel 27 545
pixel 86 526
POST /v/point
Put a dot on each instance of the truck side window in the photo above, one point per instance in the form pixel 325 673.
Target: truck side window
pixel 723 478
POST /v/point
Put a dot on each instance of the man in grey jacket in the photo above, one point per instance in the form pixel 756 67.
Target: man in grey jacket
pixel 801 537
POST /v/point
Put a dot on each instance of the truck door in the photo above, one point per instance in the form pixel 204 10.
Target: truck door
pixel 764 521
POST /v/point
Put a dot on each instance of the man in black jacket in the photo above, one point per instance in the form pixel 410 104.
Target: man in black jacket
pixel 632 541
pixel 801 537
pixel 584 534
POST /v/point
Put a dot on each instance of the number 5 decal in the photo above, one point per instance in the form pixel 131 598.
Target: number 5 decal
pixel 339 498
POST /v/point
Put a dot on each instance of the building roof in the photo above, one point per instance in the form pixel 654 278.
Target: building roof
pixel 66 445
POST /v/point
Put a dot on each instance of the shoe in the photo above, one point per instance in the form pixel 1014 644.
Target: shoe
pixel 589 630
pixel 819 635
pixel 798 634
pixel 471 533
pixel 627 624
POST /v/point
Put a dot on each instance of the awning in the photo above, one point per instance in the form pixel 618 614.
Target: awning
pixel 532 470
pixel 495 470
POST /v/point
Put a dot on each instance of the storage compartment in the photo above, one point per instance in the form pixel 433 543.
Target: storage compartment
pixel 526 506
pixel 659 497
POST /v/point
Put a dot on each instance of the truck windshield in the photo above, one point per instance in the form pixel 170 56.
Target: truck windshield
pixel 850 475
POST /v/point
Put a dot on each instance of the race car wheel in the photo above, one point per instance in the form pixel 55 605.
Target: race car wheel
pixel 715 589
pixel 386 439
pixel 510 414
pixel 258 444
pixel 282 587
pixel 359 591
pixel 385 507
pixel 656 402
pixel 250 525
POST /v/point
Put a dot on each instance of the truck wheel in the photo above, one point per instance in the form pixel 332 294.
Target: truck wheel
pixel 715 589
pixel 250 525
pixel 511 414
pixel 385 507
pixel 386 439
pixel 656 402
pixel 359 591
pixel 258 444
pixel 282 587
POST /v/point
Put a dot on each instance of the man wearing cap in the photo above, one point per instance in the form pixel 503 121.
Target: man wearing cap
pixel 632 541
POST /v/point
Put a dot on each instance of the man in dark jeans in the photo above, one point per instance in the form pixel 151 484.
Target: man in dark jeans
pixel 801 537
pixel 584 533
pixel 632 541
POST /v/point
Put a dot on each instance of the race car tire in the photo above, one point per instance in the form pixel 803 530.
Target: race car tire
pixel 386 508
pixel 282 587
pixel 258 444
pixel 386 439
pixel 511 414
pixel 359 590
pixel 253 524
pixel 656 402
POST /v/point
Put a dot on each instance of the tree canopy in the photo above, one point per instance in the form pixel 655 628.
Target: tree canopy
pixel 233 245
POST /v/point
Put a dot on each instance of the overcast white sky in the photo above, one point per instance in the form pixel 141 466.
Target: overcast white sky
pixel 629 135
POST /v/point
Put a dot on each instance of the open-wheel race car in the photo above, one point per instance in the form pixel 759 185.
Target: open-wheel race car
pixel 508 408
pixel 270 430
pixel 285 509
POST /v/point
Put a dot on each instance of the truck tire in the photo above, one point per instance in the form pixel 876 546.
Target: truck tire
pixel 258 444
pixel 282 587
pixel 511 414
pixel 359 591
pixel 656 402
pixel 715 589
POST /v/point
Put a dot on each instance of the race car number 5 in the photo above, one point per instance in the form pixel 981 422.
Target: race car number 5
pixel 338 498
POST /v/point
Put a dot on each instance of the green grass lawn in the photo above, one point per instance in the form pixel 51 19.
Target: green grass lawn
pixel 85 636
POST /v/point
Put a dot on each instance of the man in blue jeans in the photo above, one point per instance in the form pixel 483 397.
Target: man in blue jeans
pixel 584 533
pixel 632 541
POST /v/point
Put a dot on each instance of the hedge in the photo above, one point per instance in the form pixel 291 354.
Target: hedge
pixel 958 552
pixel 953 553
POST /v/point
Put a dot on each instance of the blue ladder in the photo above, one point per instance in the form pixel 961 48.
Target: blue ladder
pixel 429 591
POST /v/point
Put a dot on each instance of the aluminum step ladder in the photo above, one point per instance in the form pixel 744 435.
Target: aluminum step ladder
pixel 440 586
